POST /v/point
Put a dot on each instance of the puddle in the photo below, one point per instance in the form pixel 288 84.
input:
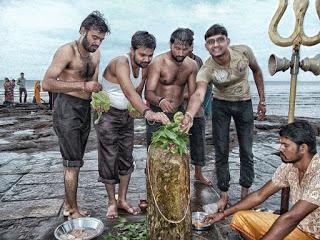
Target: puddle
pixel 8 121
pixel 2 141
pixel 24 132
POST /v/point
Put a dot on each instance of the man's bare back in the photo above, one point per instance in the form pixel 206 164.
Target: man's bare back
pixel 168 78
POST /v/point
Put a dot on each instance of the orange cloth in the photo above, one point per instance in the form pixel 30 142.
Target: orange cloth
pixel 37 89
pixel 254 225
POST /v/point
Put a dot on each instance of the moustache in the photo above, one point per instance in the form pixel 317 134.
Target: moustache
pixel 144 64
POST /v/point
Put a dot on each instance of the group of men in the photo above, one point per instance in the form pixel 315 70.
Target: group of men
pixel 168 80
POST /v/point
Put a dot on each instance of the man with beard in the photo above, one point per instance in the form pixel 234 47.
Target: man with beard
pixel 125 77
pixel 300 171
pixel 73 74
pixel 168 75
pixel 228 70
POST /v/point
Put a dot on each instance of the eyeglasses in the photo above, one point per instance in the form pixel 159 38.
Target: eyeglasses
pixel 218 41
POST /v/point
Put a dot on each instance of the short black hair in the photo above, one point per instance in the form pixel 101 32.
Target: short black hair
pixel 95 20
pixel 143 39
pixel 300 132
pixel 215 29
pixel 183 35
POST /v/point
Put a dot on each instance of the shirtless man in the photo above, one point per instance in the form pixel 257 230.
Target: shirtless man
pixel 125 77
pixel 168 75
pixel 73 74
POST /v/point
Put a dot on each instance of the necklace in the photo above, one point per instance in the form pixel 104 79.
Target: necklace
pixel 80 52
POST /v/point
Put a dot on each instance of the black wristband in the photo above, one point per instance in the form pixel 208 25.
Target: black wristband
pixel 145 111
pixel 160 100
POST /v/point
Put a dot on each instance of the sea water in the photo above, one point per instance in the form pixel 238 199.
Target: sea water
pixel 277 97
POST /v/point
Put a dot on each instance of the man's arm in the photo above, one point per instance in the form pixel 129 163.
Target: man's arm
pixel 123 76
pixel 192 79
pixel 96 73
pixel 61 59
pixel 289 220
pixel 249 202
pixel 258 79
pixel 194 104
pixel 152 82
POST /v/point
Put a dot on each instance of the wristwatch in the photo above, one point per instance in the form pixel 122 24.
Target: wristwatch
pixel 262 103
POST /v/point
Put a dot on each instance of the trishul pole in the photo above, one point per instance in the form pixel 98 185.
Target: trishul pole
pixel 296 39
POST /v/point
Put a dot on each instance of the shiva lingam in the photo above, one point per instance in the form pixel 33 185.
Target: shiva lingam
pixel 296 39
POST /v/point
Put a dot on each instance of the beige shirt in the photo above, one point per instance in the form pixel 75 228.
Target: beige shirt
pixel 308 190
pixel 230 83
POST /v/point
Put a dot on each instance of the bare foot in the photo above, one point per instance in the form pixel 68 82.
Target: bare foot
pixel 244 192
pixel 75 215
pixel 223 201
pixel 67 213
pixel 112 211
pixel 203 180
pixel 199 177
pixel 129 209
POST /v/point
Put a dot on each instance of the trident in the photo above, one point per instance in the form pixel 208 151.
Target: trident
pixel 296 39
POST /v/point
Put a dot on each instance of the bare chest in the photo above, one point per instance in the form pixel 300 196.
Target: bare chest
pixel 83 68
pixel 172 75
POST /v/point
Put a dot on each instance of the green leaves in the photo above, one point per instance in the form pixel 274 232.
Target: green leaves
pixel 133 112
pixel 129 231
pixel 170 138
pixel 100 103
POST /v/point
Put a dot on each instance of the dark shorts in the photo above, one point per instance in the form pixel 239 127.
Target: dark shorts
pixel 115 145
pixel 197 141
pixel 71 122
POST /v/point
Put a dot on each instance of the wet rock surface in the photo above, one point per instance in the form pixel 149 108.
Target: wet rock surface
pixel 31 174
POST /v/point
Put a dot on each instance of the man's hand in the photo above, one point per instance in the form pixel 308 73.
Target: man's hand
pixel 166 106
pixel 261 111
pixel 214 217
pixel 186 122
pixel 157 116
pixel 92 86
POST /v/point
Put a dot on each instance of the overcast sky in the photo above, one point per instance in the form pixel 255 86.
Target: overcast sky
pixel 32 30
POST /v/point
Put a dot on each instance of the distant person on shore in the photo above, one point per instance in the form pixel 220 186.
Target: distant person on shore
pixel 227 69
pixel 37 89
pixel 22 88
pixel 300 171
pixel 124 79
pixel 7 91
pixel 13 85
pixel 73 74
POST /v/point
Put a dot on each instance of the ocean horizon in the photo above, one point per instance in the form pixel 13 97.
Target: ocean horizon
pixel 277 97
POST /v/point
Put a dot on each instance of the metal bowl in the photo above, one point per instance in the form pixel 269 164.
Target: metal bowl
pixel 91 227
pixel 197 221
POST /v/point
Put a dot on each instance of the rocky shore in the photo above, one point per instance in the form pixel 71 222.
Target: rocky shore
pixel 31 190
